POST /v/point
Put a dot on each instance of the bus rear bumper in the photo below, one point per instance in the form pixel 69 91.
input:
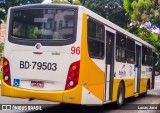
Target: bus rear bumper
pixel 68 96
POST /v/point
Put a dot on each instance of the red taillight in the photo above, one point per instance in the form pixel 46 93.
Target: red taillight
pixel 6 72
pixel 73 75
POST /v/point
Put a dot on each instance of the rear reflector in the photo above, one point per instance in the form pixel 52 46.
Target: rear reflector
pixel 6 72
pixel 73 75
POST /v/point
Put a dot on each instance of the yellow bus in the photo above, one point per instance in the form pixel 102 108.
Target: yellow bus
pixel 69 54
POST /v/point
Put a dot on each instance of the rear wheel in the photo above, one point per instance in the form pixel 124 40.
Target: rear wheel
pixel 120 96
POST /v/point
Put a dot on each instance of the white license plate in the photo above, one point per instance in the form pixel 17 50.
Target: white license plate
pixel 39 84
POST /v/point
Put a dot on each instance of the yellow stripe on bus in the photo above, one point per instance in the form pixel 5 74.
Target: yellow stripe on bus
pixel 7 90
pixel 143 85
pixel 129 88
pixel 91 76
pixel 73 96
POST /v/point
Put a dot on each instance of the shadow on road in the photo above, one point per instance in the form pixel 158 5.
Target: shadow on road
pixel 70 108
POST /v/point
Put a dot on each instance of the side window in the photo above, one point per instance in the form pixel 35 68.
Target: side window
pixel 155 58
pixel 144 55
pixel 120 48
pixel 130 51
pixel 149 57
pixel 95 39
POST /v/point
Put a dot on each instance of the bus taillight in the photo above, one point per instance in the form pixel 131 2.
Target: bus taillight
pixel 6 72
pixel 73 75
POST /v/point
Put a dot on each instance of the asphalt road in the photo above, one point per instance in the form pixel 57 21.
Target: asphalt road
pixel 131 104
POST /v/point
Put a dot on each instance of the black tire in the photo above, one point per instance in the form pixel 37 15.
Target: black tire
pixel 120 96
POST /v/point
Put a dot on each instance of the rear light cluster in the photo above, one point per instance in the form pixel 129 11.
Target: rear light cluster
pixel 73 75
pixel 6 72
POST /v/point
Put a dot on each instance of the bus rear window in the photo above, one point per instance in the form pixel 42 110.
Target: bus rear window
pixel 42 24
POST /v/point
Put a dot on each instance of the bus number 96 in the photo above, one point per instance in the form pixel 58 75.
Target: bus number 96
pixel 75 50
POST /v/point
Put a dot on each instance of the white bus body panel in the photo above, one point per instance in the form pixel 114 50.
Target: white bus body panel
pixel 53 80
pixel 88 98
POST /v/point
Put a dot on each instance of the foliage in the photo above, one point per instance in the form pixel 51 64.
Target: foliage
pixel 10 3
pixel 138 12
pixel 75 2
pixel 60 1
pixel 142 11
pixel 82 1
pixel 1 49
pixel 106 8
pixel 109 9
pixel 152 38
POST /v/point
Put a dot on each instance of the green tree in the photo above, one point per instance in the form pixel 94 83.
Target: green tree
pixel 60 1
pixel 75 2
pixel 1 49
pixel 82 2
pixel 110 9
pixel 150 37
pixel 142 11
pixel 10 3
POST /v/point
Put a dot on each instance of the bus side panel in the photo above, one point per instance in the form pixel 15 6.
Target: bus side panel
pixel 151 84
pixel 116 83
pixel 124 72
pixel 83 77
pixel 91 76
pixel 146 75
pixel 129 87
pixel 95 84
pixel 96 78
pixel 73 96
pixel 143 85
